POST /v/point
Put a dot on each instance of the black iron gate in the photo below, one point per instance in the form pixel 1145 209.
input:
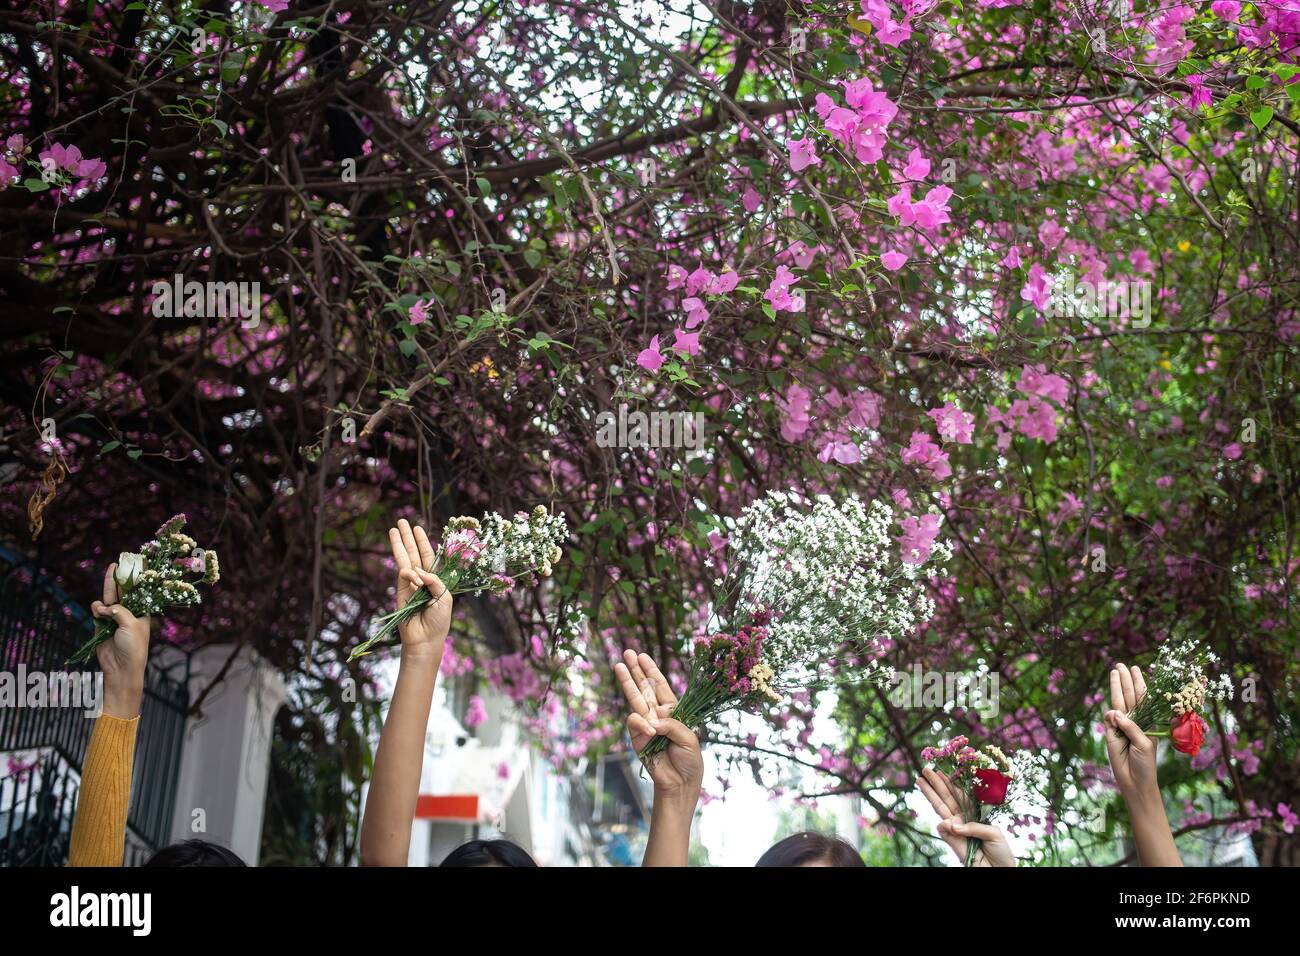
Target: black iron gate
pixel 42 748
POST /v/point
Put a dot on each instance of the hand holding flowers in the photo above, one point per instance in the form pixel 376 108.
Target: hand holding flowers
pixel 427 630
pixel 1179 688
pixel 677 772
pixel 474 556
pixel 976 785
pixel 1132 756
pixel 124 655
pixel 986 844
pixel 165 573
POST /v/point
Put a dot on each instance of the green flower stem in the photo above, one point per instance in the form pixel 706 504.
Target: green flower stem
pixel 104 628
pixel 391 622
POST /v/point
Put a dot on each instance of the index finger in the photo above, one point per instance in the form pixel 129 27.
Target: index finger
pixel 425 548
pixel 110 584
pixel 399 549
pixel 633 694
pixel 935 800
pixel 1116 690
pixel 663 690
pixel 1139 683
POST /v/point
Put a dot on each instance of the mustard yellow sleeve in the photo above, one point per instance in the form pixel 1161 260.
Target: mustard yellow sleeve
pixel 99 827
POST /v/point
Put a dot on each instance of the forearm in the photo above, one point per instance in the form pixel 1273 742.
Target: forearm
pixel 1151 833
pixel 395 783
pixel 99 826
pixel 670 829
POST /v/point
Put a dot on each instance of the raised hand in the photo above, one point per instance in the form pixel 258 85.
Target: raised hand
pixel 677 772
pixel 426 631
pixel 949 803
pixel 123 657
pixel 1134 767
pixel 651 699
pixel 1132 753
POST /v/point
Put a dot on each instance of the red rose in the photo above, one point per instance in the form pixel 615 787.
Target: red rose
pixel 1188 733
pixel 992 786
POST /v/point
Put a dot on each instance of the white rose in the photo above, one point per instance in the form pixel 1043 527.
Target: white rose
pixel 129 568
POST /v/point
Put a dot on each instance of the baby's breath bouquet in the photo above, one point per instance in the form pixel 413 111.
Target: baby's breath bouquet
pixel 477 556
pixel 1177 687
pixel 810 590
pixel 163 574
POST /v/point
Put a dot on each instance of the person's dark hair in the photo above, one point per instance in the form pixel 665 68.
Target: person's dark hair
pixel 488 853
pixel 195 853
pixel 807 848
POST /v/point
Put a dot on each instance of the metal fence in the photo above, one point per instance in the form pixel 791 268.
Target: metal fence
pixel 42 748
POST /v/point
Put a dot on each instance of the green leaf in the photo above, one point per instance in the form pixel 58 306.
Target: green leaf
pixel 109 446
pixel 36 185
pixel 1261 117
pixel 484 186
pixel 407 347
pixel 532 257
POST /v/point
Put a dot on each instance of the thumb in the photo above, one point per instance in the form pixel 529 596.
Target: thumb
pixel 1125 725
pixel 121 616
pixel 678 733
pixel 980 831
pixel 432 582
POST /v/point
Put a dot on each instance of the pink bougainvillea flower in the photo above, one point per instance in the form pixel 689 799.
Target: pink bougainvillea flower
pixel 8 173
pixel 953 424
pixel 793 409
pixel 918 537
pixel 676 277
pixel 651 358
pixel 900 206
pixel 778 293
pixel 843 451
pixel 918 167
pixel 751 199
pixel 1199 94
pixel 1229 11
pixel 696 313
pixel 723 283
pixel 698 281
pixel 893 261
pixel 922 450
pixel 1050 233
pixel 932 211
pixel 476 713
pixel 1037 288
pixel 803 153
pixel 687 342
pixel 417 314
pixel 275 6
pixel 1036 380
pixel 1232 452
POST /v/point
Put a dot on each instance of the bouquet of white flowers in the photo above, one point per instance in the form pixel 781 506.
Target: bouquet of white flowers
pixel 164 573
pixel 806 587
pixel 477 556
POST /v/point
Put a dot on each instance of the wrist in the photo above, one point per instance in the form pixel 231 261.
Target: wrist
pixel 678 800
pixel 122 699
pixel 1144 799
pixel 422 655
